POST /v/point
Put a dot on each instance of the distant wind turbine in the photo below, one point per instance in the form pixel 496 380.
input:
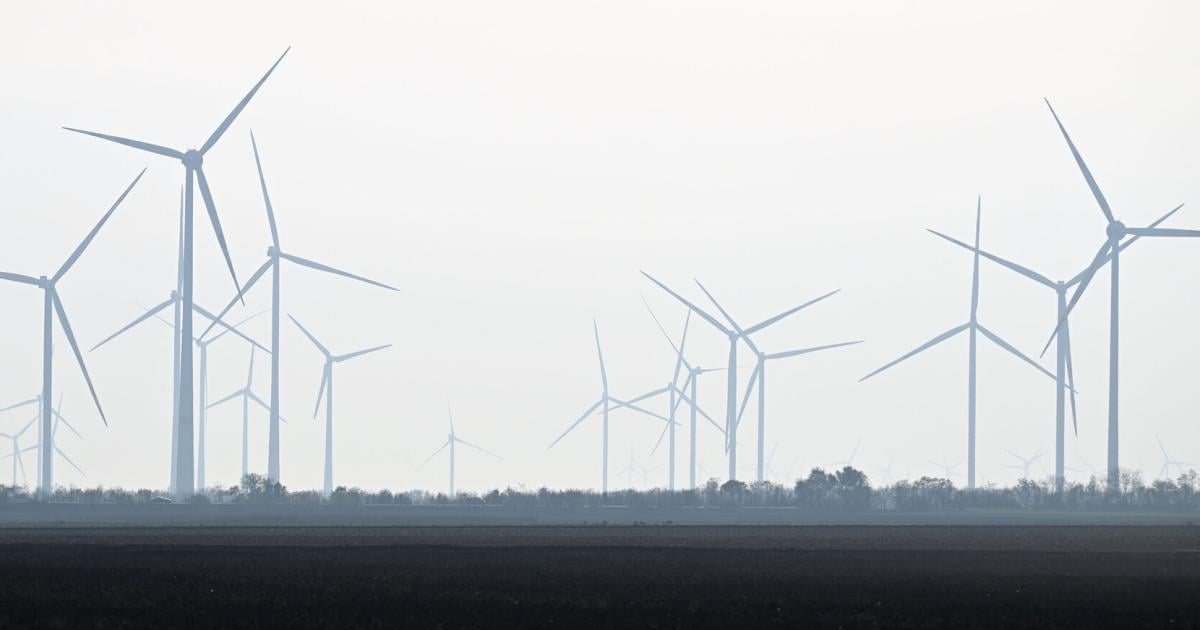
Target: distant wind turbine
pixel 452 441
pixel 949 471
pixel 605 404
pixel 850 460
pixel 1026 462
pixel 193 161
pixel 326 390
pixel 16 450
pixel 52 304
pixel 972 327
pixel 1168 461
pixel 275 255
pixel 1110 250
pixel 247 395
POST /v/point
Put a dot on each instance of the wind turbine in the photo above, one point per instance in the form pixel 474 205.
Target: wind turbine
pixel 176 300
pixel 14 439
pixel 274 255
pixel 972 327
pixel 248 396
pixel 693 379
pixel 948 469
pixel 850 461
pixel 759 375
pixel 772 472
pixel 731 415
pixel 605 405
pixel 1111 249
pixel 1168 461
pixel 193 161
pixel 52 304
pixel 1026 462
pixel 326 390
pixel 451 441
pixel 1064 375
pixel 885 474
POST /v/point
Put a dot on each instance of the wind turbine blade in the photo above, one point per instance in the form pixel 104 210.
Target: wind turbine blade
pixel 66 326
pixel 792 353
pixel 261 403
pixel 351 355
pixel 1087 174
pixel 96 230
pixel 1070 375
pixel 650 394
pixel 925 346
pixel 234 327
pixel 708 318
pixel 216 225
pixel 1148 231
pixel 427 459
pixel 677 349
pixel 687 320
pixel 626 404
pixel 21 465
pixel 326 268
pixel 1127 242
pixel 683 397
pixel 20 404
pixel 228 329
pixel 681 390
pixel 1025 271
pixel 239 296
pixel 22 278
pixel 216 135
pixel 66 424
pixel 600 354
pixel 68 460
pixel 321 389
pixel 311 338
pixel 480 449
pixel 746 397
pixel 266 197
pixel 137 144
pixel 725 314
pixel 27 427
pixel 147 315
pixel 658 442
pixel 767 322
pixel 1017 353
pixel 1090 273
pixel 576 423
pixel 250 371
pixel 237 394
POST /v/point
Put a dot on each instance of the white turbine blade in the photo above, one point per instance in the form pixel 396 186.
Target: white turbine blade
pixel 1127 242
pixel 228 329
pixel 1025 271
pixel 1097 262
pixel 1070 375
pixel 767 322
pixel 925 346
pixel 450 416
pixel 681 390
pixel 137 144
pixel 666 427
pixel 216 225
pixel 239 296
pixel 66 424
pixel 1147 231
pixel 143 317
pixel 746 398
pixel 20 404
pixel 600 354
pixel 17 277
pixel 311 338
pixel 792 353
pixel 234 329
pixel 708 318
pixel 216 135
pixel 351 355
pixel 250 371
pixel 1017 353
pixel 326 268
pixel 443 447
pixel 237 394
pixel 27 426
pixel 626 404
pixel 266 197
pixel 649 394
pixel 21 465
pixel 261 403
pixel 321 389
pixel 725 314
pixel 1087 173
pixel 70 335
pixel 576 423
pixel 478 448
pixel 87 240
pixel 68 460
pixel 687 320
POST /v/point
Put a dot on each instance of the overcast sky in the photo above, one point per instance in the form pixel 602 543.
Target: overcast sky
pixel 512 166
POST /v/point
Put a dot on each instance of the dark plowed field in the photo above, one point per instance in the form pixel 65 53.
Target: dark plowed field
pixel 960 577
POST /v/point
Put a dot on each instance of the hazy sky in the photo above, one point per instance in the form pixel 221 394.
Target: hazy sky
pixel 512 166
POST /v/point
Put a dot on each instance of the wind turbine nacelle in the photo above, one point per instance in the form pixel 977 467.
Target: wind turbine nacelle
pixel 193 159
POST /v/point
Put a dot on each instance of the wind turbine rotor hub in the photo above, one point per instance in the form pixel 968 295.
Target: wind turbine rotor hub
pixel 193 159
pixel 1116 230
